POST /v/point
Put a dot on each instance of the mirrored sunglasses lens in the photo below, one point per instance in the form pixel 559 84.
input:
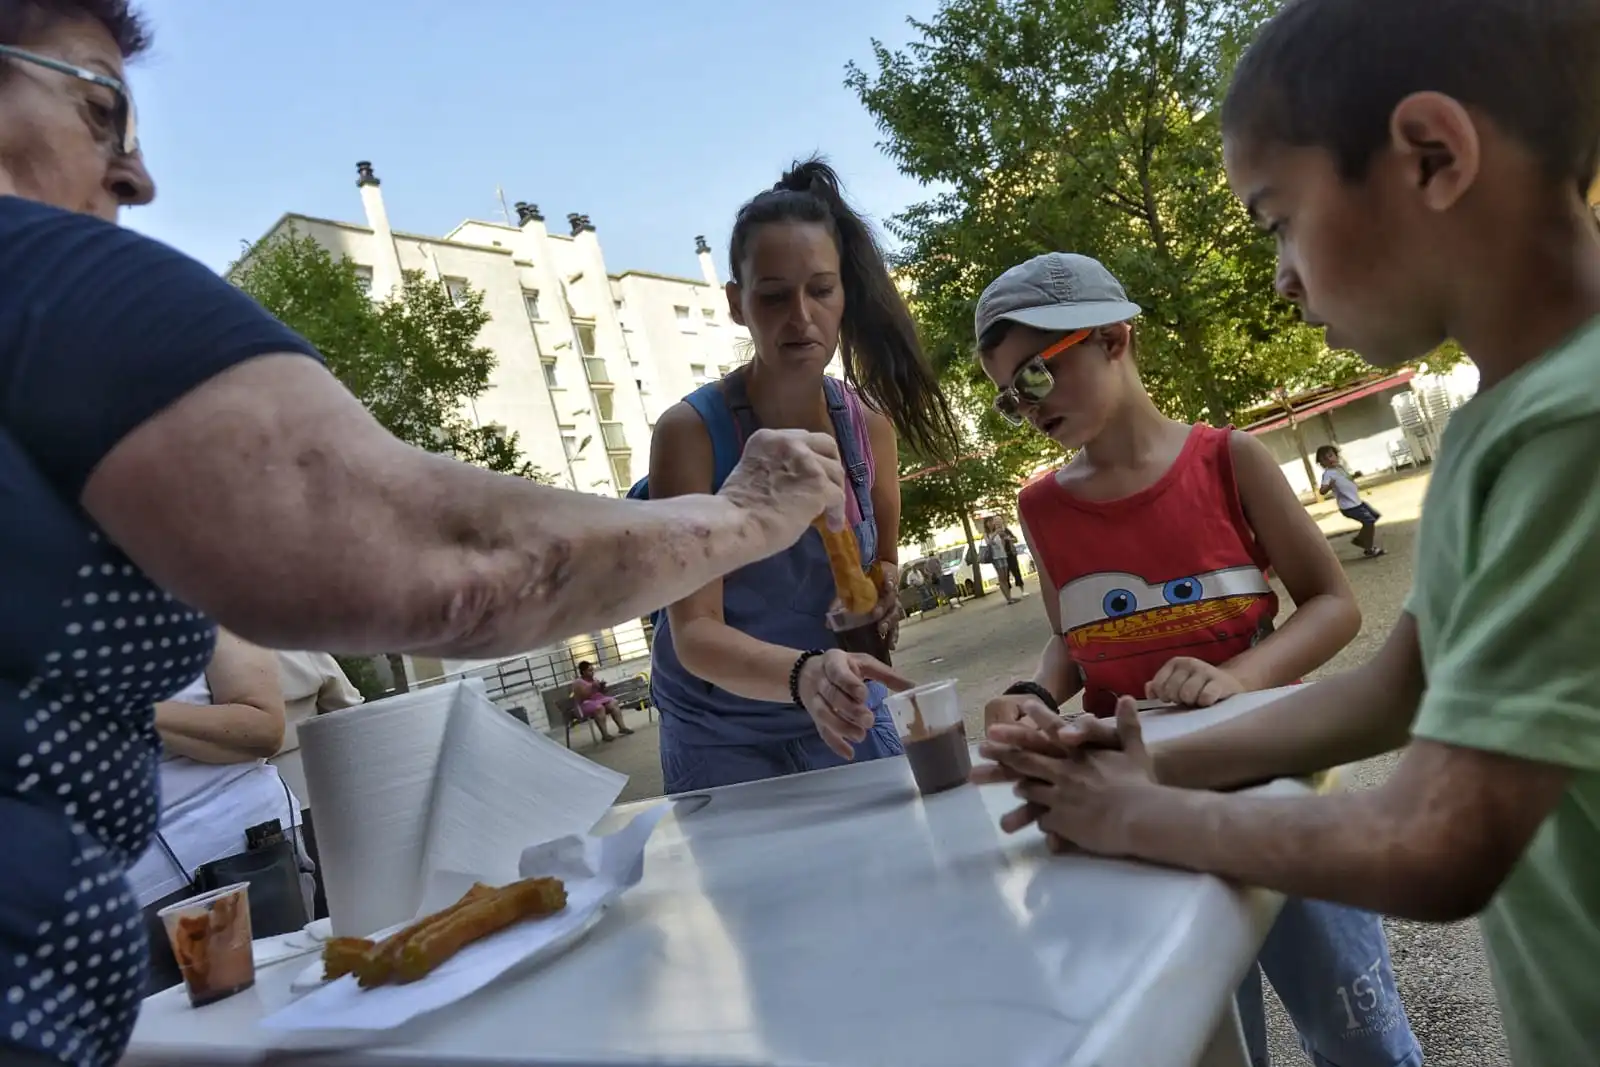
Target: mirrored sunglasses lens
pixel 1034 381
pixel 1006 405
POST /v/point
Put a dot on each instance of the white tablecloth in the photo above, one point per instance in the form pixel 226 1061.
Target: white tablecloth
pixel 836 918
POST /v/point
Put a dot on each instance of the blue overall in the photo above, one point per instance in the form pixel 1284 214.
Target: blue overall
pixel 710 737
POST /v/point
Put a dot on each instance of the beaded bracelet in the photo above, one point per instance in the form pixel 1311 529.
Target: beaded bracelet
pixel 1034 689
pixel 794 675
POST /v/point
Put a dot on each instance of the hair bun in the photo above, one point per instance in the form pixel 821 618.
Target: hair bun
pixel 812 176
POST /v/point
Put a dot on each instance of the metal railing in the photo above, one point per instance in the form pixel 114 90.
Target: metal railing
pixel 522 680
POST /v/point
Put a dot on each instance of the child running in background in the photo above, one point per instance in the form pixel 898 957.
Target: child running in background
pixel 1423 167
pixel 1152 547
pixel 1337 483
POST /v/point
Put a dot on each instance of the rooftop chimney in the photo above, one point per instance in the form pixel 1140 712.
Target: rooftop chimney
pixel 527 213
pixel 708 266
pixel 579 223
pixel 386 262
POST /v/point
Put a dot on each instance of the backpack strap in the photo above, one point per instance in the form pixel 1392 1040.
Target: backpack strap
pixel 725 409
pixel 855 450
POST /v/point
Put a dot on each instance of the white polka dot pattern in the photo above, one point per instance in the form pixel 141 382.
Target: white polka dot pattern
pixel 78 788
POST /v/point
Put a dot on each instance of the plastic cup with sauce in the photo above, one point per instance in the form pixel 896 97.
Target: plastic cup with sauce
pixel 210 936
pixel 934 733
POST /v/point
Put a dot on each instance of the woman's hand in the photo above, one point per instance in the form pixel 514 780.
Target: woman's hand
pixel 833 690
pixel 889 591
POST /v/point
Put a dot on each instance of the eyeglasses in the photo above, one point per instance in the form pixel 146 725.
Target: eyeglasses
pixel 124 122
pixel 1033 380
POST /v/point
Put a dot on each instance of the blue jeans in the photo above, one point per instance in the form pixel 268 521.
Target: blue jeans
pixel 1330 966
pixel 689 767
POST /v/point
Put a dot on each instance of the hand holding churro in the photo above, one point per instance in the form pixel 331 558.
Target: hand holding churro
pixel 857 592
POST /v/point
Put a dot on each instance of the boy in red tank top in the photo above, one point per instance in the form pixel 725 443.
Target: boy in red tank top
pixel 1153 545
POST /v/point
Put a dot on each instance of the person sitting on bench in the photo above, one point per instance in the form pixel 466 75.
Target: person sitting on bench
pixel 594 703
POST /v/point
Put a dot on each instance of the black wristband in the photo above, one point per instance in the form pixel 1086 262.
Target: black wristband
pixel 794 675
pixel 1034 689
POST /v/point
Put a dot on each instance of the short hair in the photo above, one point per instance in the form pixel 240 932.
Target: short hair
pixel 1327 452
pixel 1329 73
pixel 23 21
pixel 584 665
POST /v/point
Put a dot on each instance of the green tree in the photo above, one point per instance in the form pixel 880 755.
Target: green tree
pixel 412 359
pixel 1091 127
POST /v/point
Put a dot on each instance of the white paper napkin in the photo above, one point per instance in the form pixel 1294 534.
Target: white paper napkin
pixel 596 871
pixel 499 781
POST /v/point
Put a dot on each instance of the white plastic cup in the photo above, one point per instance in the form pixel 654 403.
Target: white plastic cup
pixel 210 936
pixel 934 734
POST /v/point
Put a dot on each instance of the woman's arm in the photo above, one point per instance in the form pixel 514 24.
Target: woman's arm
pixel 245 719
pixel 681 464
pixel 1326 617
pixel 268 497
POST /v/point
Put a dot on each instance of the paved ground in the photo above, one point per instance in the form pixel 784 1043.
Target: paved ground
pixel 1441 970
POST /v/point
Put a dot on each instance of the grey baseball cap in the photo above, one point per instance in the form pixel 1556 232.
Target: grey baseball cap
pixel 1056 291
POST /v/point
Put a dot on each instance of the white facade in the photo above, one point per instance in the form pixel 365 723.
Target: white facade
pixel 587 360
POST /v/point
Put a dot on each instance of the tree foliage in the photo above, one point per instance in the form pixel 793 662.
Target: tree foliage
pixel 1091 127
pixel 412 359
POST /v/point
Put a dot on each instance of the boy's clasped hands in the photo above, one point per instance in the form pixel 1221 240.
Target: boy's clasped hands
pixel 1084 780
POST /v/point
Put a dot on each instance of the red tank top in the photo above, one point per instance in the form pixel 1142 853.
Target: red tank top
pixel 1173 570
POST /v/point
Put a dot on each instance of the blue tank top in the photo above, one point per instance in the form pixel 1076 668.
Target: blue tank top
pixel 783 599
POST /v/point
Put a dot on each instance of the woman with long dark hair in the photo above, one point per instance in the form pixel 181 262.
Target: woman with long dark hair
pixel 747 674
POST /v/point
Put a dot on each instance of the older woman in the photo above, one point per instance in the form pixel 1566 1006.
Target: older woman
pixel 169 453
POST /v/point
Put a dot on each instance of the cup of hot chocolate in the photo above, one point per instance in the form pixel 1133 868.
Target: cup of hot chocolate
pixel 210 936
pixel 934 734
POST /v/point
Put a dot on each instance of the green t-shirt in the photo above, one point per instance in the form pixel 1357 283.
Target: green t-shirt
pixel 1507 603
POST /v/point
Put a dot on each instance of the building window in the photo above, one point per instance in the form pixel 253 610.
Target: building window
pixel 639 384
pixel 585 337
pixel 551 379
pixel 364 279
pixel 603 405
pixel 682 313
pixel 622 472
pixel 569 444
pixel 594 369
pixel 711 316
pixel 697 371
pixel 458 290
pixel 530 300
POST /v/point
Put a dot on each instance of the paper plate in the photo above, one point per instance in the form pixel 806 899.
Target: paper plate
pixel 311 978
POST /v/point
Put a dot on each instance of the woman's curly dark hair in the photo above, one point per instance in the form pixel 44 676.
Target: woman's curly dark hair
pixel 878 344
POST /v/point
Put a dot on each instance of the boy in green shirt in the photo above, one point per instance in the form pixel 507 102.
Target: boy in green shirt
pixel 1422 165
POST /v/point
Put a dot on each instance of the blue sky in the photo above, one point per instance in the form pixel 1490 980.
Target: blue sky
pixel 656 119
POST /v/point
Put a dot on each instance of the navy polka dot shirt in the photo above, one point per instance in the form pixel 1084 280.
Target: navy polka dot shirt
pixel 100 329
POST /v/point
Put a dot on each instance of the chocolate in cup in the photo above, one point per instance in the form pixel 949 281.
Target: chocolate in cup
pixel 859 633
pixel 934 734
pixel 210 936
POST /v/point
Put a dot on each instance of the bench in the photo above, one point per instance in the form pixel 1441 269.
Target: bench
pixel 562 707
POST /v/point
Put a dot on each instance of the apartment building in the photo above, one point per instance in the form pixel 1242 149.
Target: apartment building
pixel 587 359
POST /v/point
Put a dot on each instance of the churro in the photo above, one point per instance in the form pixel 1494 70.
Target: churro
pixel 341 956
pixel 377 964
pixel 857 592
pixel 531 898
